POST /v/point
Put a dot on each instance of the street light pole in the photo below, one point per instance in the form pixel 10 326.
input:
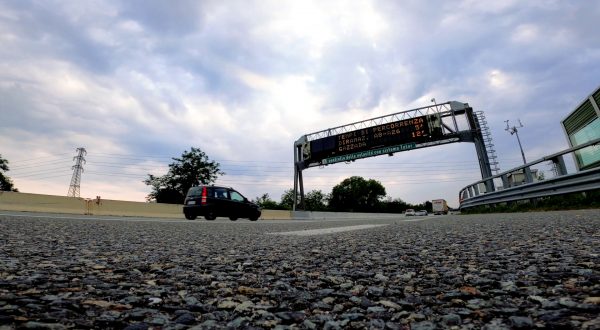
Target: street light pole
pixel 514 130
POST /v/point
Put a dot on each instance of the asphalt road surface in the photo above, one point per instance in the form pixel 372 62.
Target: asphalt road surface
pixel 502 271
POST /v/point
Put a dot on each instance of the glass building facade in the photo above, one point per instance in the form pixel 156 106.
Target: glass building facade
pixel 583 125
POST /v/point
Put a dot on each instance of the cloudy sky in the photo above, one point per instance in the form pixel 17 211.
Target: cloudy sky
pixel 138 82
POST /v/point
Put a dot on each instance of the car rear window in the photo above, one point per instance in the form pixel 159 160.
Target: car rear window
pixel 194 191
pixel 220 193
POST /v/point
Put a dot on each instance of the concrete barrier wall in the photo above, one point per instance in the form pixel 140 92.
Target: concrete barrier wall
pixel 309 215
pixel 276 215
pixel 13 201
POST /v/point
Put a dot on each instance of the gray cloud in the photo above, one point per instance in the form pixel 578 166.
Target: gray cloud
pixel 243 80
pixel 171 19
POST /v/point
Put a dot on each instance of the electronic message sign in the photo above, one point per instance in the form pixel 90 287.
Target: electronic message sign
pixel 376 140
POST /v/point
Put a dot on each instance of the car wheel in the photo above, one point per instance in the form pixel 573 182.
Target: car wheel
pixel 233 218
pixel 254 217
pixel 190 216
pixel 210 215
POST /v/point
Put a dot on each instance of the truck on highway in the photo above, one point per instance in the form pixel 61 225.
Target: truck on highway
pixel 439 206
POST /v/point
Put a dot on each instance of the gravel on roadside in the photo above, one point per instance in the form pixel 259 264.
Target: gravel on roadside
pixel 495 271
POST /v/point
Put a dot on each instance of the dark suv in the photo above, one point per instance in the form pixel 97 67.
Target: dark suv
pixel 214 201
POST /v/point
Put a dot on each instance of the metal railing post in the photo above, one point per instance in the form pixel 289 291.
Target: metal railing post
pixel 528 175
pixel 559 164
pixel 505 183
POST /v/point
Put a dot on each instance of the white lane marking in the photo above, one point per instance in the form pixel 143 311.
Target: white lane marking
pixel 413 220
pixel 324 231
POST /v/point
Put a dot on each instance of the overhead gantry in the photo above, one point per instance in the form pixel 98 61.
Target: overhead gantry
pixel 423 127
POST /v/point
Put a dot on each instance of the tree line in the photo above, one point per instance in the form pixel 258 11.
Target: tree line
pixel 354 194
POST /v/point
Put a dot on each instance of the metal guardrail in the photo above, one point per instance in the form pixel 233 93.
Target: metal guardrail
pixel 564 183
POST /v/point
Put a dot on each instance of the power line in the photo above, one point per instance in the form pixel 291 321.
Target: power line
pixel 144 157
pixel 324 175
pixel 264 172
pixel 42 175
pixel 276 172
pixel 18 167
pixel 38 173
pixel 287 170
pixel 40 168
pixel 116 174
pixel 170 158
pixel 37 158
pixel 260 169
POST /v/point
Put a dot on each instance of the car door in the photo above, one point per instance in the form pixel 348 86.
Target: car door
pixel 238 204
pixel 221 201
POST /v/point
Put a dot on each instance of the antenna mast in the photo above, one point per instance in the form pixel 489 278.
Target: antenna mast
pixel 515 130
pixel 77 170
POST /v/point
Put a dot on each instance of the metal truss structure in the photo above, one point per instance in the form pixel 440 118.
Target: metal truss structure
pixel 487 140
pixel 459 123
pixel 429 110
pixel 74 187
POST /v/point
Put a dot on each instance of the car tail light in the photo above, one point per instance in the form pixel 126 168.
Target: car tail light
pixel 203 201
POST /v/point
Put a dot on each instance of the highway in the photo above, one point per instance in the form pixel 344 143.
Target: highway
pixel 521 270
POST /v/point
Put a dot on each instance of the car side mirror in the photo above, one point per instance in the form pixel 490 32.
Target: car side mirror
pixel 245 200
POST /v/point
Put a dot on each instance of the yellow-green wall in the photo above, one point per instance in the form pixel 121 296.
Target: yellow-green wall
pixel 13 201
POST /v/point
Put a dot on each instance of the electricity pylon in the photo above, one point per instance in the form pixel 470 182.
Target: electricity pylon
pixel 77 170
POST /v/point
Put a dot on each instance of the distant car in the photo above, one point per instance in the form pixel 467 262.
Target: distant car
pixel 421 212
pixel 214 201
pixel 409 212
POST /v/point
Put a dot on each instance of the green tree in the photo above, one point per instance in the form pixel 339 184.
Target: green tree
pixel 266 202
pixel 428 206
pixel 357 194
pixel 287 199
pixel 394 205
pixel 315 200
pixel 194 167
pixel 5 182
